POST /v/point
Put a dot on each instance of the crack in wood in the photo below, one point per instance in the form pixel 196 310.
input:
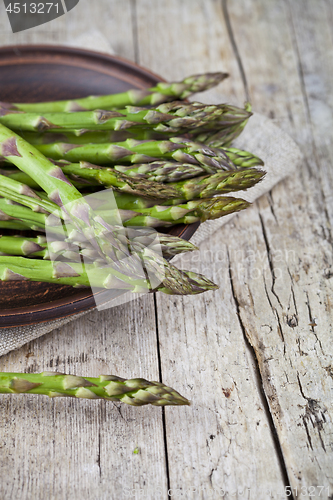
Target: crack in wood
pixel 98 460
pixel 279 328
pixel 270 260
pixel 163 409
pixel 271 206
pixel 293 320
pixel 312 323
pixel 313 413
pixel 235 48
pixel 262 393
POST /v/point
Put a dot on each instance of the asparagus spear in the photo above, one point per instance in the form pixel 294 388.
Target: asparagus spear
pixel 21 193
pixel 201 187
pixel 159 171
pixel 39 247
pixel 221 134
pixel 131 151
pixel 162 92
pixel 171 280
pixel 216 133
pixel 118 180
pixel 188 189
pixel 164 171
pixel 123 276
pixel 84 136
pixel 243 159
pixel 135 392
pixel 221 182
pixel 187 213
pixel 179 118
pixel 19 176
pixel 135 212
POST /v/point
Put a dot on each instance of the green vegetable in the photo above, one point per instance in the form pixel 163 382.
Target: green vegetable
pixel 162 92
pixel 135 392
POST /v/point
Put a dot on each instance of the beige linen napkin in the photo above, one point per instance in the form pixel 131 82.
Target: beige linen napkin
pixel 281 155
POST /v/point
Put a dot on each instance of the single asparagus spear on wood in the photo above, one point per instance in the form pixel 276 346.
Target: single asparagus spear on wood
pixel 135 392
pixel 158 94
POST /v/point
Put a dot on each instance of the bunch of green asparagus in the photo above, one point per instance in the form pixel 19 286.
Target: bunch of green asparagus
pixel 143 145
pixel 160 159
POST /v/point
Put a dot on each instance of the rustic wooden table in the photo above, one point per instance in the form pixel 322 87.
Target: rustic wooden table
pixel 254 357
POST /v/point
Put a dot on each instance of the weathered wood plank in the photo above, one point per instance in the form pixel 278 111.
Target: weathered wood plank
pixel 224 442
pixel 281 274
pixel 75 448
pixel 276 277
pixel 181 38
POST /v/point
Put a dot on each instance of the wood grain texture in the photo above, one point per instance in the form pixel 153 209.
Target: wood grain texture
pixel 284 288
pixel 254 357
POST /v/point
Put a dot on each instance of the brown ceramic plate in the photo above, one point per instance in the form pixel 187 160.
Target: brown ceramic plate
pixel 40 73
